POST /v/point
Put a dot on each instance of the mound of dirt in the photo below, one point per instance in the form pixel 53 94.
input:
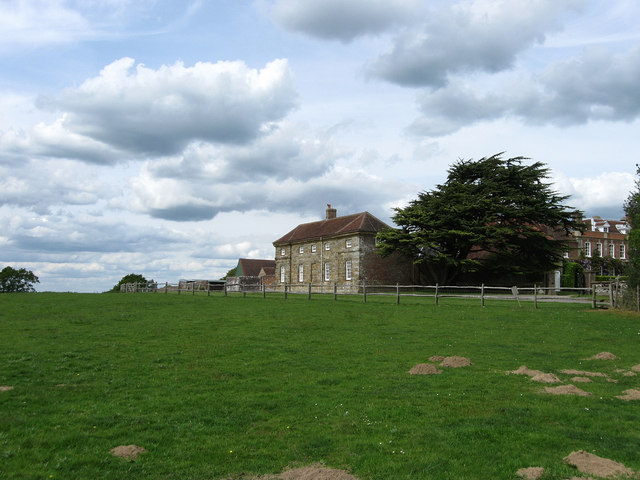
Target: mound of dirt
pixel 581 379
pixel 5 388
pixel 424 369
pixel 129 452
pixel 631 394
pixel 523 370
pixel 531 473
pixel 603 356
pixel 566 390
pixel 594 465
pixel 455 362
pixel 582 373
pixel 635 368
pixel 312 472
pixel 439 358
pixel 546 378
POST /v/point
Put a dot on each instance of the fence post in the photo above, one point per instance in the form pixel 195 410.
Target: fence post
pixel 335 291
pixel 166 287
pixel 225 289
pixel 593 295
pixel 264 291
pixel 482 295
pixel 611 294
pixel 193 288
pixel 436 294
pixel 397 294
pixel 208 288
pixel 535 295
pixel 309 296
pixel 244 290
pixel 285 291
pixel 364 292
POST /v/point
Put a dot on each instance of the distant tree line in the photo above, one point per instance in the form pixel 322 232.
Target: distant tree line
pixel 17 280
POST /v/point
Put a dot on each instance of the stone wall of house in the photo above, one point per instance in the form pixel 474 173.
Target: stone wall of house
pixel 359 250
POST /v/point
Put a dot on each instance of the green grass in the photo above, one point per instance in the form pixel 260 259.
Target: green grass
pixel 228 387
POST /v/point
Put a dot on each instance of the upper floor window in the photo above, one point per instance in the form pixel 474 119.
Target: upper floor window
pixel 327 246
pixel 623 253
pixel 313 248
pixel 599 249
pixel 612 250
pixel 300 249
pixel 282 252
pixel 587 249
pixel 348 243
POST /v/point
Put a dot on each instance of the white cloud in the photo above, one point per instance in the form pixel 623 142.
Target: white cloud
pixel 344 21
pixel 597 195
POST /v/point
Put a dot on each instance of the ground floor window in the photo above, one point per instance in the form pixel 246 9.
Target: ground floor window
pixel 347 270
pixel 612 250
pixel 282 274
pixel 300 273
pixel 327 272
pixel 623 253
pixel 587 249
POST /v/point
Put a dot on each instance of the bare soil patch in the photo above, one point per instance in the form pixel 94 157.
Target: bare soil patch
pixel 530 473
pixel 439 358
pixel 594 465
pixel 581 380
pixel 424 369
pixel 312 472
pixel 523 370
pixel 455 362
pixel 582 373
pixel 5 388
pixel 566 390
pixel 128 452
pixel 630 394
pixel 603 356
pixel 546 378
pixel 636 368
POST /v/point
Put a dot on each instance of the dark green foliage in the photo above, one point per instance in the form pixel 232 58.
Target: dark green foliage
pixel 20 280
pixel 573 275
pixel 131 278
pixel 230 273
pixel 632 209
pixel 493 215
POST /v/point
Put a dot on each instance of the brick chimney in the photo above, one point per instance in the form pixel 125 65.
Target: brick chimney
pixel 331 212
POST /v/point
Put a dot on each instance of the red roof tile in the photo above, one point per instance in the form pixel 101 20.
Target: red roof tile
pixel 250 267
pixel 357 223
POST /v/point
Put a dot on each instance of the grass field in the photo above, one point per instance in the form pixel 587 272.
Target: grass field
pixel 230 387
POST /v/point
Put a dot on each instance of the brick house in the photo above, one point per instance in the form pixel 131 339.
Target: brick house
pixel 338 250
pixel 607 238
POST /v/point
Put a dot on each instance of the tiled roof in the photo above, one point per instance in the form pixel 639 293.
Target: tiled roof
pixel 357 223
pixel 250 267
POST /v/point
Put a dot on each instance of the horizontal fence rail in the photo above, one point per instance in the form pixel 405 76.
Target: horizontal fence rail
pixel 606 294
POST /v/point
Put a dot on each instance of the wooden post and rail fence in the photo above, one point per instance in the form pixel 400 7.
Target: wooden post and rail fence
pixel 607 294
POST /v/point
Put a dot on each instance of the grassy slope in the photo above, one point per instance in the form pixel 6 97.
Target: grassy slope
pixel 214 387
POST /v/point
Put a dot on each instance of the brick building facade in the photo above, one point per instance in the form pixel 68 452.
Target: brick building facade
pixel 338 250
pixel 606 238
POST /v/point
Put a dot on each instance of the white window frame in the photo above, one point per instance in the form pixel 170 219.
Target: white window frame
pixel 313 248
pixel 301 249
pixel 301 273
pixel 282 272
pixel 623 251
pixel 612 250
pixel 347 270
pixel 327 271
pixel 348 244
pixel 282 252
pixel 599 249
pixel 587 249
pixel 327 246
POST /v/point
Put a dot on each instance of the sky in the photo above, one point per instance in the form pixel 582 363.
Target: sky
pixel 170 138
